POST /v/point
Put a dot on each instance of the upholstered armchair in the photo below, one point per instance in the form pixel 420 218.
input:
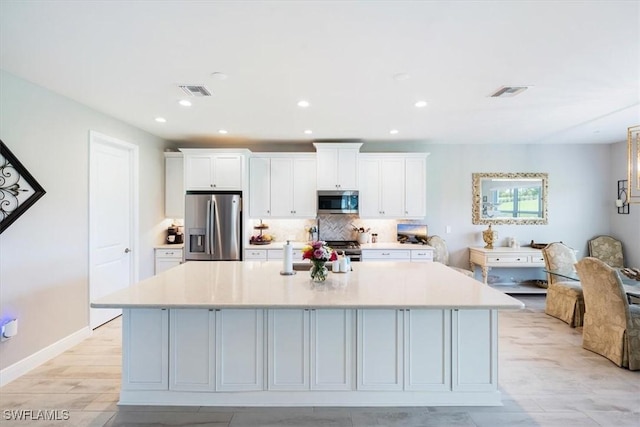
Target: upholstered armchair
pixel 564 297
pixel 611 325
pixel 441 254
pixel 607 249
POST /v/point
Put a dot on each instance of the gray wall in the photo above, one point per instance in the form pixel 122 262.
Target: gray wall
pixel 44 254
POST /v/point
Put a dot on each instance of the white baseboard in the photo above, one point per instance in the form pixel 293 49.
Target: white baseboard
pixel 20 368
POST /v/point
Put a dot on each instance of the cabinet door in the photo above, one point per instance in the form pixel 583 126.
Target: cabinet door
pixel 304 188
pixel 347 169
pixel 474 350
pixel 227 172
pixel 145 359
pixel 259 187
pixel 239 350
pixel 198 172
pixel 427 350
pixel 164 264
pixel 327 168
pixel 173 185
pixel 288 349
pixel 192 349
pixel 370 188
pixel 392 188
pixel 415 187
pixel 379 351
pixel 282 187
pixel 332 349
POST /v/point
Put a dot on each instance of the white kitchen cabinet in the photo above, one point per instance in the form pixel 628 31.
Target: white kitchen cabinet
pixel 293 187
pixel 278 254
pixel 145 359
pixel 216 350
pixel 282 187
pixel 259 187
pixel 173 185
pixel 427 350
pixel 404 350
pixel 421 255
pixel 167 258
pixel 239 350
pixel 337 167
pixel 379 350
pixel 474 348
pixel 255 254
pixel 311 349
pixel 213 171
pixel 192 349
pixel 386 255
pixel 392 186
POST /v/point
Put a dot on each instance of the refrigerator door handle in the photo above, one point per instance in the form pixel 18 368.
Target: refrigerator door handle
pixel 207 232
pixel 213 226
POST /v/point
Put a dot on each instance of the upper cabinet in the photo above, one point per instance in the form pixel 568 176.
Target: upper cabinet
pixel 337 165
pixel 173 185
pixel 393 185
pixel 282 186
pixel 213 170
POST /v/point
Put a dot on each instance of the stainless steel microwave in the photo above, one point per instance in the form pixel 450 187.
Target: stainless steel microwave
pixel 338 202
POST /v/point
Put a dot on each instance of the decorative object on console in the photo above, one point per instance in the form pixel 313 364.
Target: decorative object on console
pixel 318 253
pixel 621 201
pixel 490 237
pixel 18 189
pixel 538 245
pixel 633 164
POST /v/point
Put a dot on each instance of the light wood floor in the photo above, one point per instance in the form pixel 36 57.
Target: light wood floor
pixel 546 378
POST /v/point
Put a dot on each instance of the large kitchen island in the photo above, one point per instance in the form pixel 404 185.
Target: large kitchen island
pixel 242 334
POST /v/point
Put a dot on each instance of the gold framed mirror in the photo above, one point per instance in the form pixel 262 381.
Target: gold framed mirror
pixel 510 198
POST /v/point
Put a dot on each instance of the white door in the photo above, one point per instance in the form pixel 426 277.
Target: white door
pixel 113 195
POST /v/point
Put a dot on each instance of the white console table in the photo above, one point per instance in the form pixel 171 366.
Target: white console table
pixel 504 257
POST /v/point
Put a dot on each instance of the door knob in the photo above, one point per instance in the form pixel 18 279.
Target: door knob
pixel 127 250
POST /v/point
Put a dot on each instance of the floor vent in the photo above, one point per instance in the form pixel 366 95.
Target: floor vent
pixel 195 90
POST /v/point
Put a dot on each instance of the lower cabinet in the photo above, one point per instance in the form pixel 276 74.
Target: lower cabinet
pixel 206 350
pixel 216 350
pixel 167 258
pixel 413 255
pixel 404 350
pixel 311 349
pixel 145 347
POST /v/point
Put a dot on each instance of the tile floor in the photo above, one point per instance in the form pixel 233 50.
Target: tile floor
pixel 546 377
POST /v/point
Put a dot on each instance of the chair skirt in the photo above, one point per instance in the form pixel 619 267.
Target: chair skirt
pixel 565 301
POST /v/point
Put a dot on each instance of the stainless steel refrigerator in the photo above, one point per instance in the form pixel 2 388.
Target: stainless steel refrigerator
pixel 213 226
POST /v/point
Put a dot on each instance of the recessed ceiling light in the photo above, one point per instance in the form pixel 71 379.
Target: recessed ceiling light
pixel 393 131
pixel 219 76
pixel 185 103
pixel 223 131
pixel 161 120
pixel 303 104
pixel 421 104
pixel 308 131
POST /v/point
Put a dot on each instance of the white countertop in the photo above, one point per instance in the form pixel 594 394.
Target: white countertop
pixel 507 249
pixel 170 246
pixel 236 284
pixel 382 245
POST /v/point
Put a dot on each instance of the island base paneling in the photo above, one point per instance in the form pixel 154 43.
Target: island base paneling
pixel 291 357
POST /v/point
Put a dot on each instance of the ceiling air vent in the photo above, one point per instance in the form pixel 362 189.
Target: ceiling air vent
pixel 506 91
pixel 195 90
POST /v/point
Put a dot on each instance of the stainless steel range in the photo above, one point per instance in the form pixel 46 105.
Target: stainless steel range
pixel 350 248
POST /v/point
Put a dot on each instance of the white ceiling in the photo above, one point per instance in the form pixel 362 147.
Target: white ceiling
pixel 126 58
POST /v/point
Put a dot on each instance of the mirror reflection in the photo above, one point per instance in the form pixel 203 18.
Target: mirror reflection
pixel 510 198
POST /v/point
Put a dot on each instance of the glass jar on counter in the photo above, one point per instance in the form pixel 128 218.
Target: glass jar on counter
pixel 374 237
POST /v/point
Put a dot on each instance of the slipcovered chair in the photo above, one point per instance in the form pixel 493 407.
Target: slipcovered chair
pixel 611 325
pixel 565 300
pixel 441 254
pixel 607 249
